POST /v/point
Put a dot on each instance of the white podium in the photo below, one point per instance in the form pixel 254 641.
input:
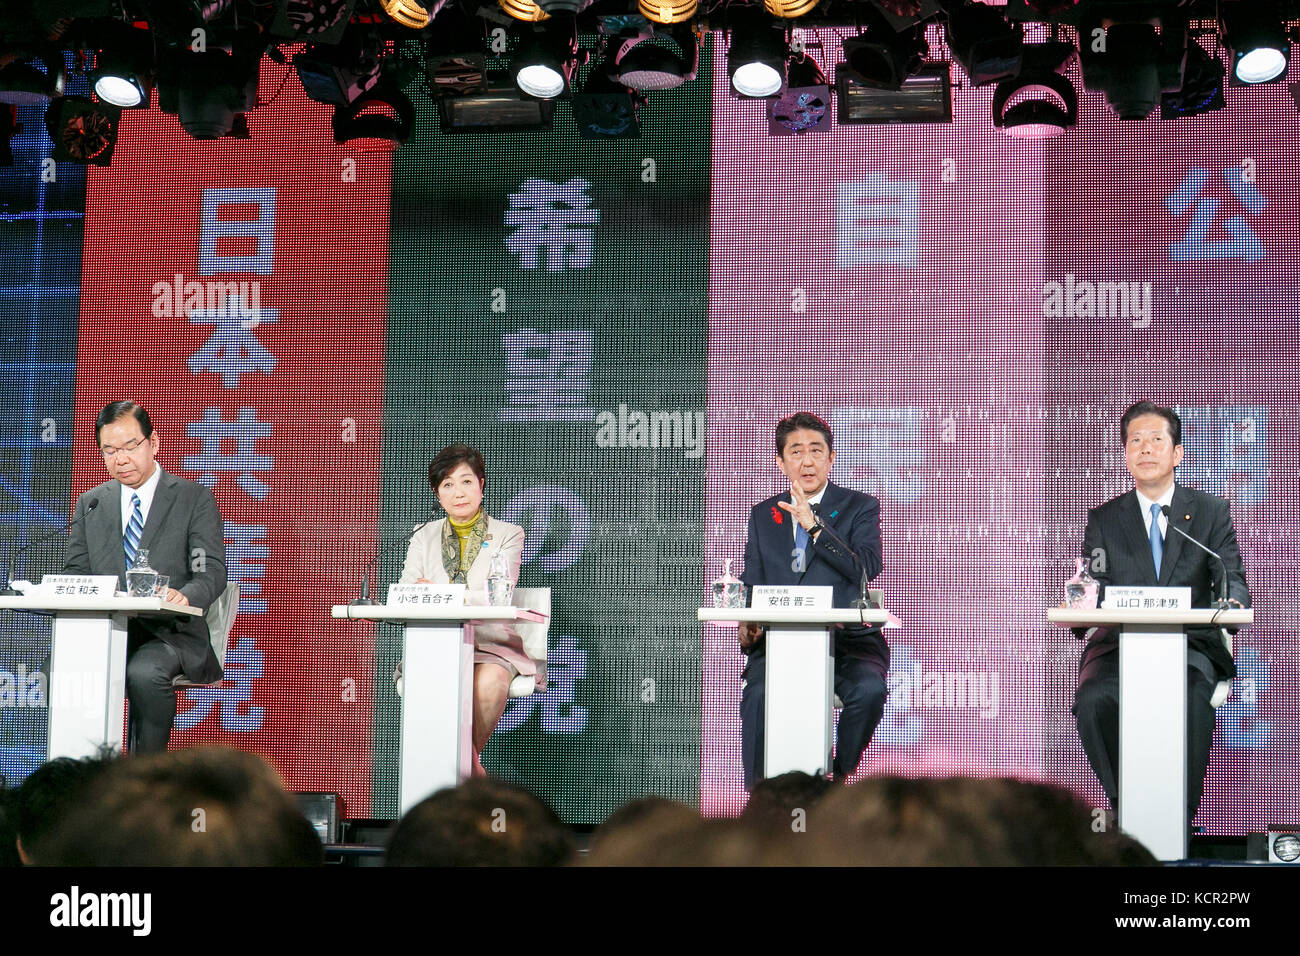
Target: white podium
pixel 799 691
pixel 1152 780
pixel 87 688
pixel 437 712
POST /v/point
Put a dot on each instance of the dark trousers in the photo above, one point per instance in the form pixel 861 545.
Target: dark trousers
pixel 151 665
pixel 1096 713
pixel 859 682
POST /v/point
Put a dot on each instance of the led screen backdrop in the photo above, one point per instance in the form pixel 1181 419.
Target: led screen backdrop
pixel 311 324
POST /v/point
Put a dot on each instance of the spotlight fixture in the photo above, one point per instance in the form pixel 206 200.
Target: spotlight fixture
pixel 409 13
pixel 757 53
pixel 662 60
pixel 605 109
pixel 1041 102
pixel 534 11
pixel 668 11
pixel 379 120
pixel 124 72
pixel 805 103
pixel 82 131
pixel 924 97
pixel 547 58
pixel 883 57
pixel 311 21
pixel 987 46
pixel 338 74
pixel 1135 65
pixel 789 9
pixel 498 107
pixel 454 59
pixel 1256 34
pixel 1202 89
pixel 206 90
pixel 23 84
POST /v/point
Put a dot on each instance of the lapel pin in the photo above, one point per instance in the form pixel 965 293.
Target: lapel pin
pixel 1187 517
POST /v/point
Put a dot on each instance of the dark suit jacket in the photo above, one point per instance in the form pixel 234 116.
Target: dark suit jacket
pixel 184 529
pixel 770 558
pixel 1117 532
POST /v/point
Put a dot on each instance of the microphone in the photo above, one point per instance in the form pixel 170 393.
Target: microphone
pixel 365 600
pixel 862 602
pixel 8 591
pixel 1223 599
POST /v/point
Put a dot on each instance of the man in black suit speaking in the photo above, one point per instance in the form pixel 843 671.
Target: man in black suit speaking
pixel 788 544
pixel 141 507
pixel 1128 541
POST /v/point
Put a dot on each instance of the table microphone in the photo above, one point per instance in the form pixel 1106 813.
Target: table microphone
pixel 8 591
pixel 863 602
pixel 364 600
pixel 1223 599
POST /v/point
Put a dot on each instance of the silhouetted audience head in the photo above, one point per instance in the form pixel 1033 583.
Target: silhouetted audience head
pixel 624 830
pixel 207 806
pixel 962 821
pixel 482 822
pixel 779 800
pixel 49 794
pixel 667 838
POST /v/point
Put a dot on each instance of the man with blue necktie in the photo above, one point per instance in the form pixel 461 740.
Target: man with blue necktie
pixel 787 544
pixel 1128 542
pixel 142 507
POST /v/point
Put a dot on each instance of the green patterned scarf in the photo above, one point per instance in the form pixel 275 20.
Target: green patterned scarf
pixel 451 548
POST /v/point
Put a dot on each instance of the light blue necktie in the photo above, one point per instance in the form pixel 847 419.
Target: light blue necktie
pixel 801 538
pixel 1157 542
pixel 131 539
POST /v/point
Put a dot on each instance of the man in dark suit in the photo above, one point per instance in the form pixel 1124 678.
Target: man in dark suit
pixel 788 544
pixel 141 507
pixel 1128 542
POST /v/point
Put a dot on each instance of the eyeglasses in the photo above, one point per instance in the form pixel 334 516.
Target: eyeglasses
pixel 108 451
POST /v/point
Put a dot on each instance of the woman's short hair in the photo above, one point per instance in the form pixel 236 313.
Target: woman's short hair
pixel 451 458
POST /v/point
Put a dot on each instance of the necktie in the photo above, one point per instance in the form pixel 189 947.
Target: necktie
pixel 801 545
pixel 1157 541
pixel 131 538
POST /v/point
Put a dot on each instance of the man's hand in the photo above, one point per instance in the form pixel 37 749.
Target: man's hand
pixel 801 509
pixel 749 634
pixel 176 597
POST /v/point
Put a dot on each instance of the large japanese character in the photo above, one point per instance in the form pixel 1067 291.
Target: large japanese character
pixel 544 214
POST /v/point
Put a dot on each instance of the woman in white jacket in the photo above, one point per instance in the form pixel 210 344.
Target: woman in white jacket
pixel 459 549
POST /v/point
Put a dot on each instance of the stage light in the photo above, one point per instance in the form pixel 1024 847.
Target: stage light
pixel 409 13
pixel 547 58
pixel 379 120
pixel 1257 36
pixel 605 109
pixel 756 54
pixel 1041 102
pixel 454 59
pixel 924 97
pixel 988 47
pixel 534 11
pixel 805 103
pixel 124 71
pixel 338 74
pixel 1202 89
pixel 82 131
pixel 206 90
pixel 498 107
pixel 789 9
pixel 883 57
pixel 1134 65
pixel 23 84
pixel 313 21
pixel 668 11
pixel 662 60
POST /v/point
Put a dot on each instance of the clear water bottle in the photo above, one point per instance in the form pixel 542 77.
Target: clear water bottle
pixel 140 578
pixel 1082 589
pixel 500 589
pixel 727 589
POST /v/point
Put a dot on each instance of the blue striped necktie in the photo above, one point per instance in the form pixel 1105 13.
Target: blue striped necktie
pixel 131 539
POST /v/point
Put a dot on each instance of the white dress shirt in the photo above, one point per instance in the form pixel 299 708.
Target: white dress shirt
pixel 1166 499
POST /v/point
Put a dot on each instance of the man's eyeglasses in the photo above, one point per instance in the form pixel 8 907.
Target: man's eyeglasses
pixel 108 451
